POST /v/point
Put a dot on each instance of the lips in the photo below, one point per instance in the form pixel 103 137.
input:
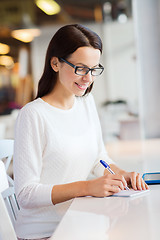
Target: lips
pixel 82 86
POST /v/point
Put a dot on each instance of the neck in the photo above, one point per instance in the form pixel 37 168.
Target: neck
pixel 59 100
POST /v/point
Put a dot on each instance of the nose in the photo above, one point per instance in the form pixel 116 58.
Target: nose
pixel 88 77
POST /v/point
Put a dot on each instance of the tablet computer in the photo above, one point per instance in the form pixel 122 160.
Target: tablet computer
pixel 152 178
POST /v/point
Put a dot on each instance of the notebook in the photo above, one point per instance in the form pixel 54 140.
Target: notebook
pixel 130 193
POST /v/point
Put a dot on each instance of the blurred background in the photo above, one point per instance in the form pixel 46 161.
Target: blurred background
pixel 127 94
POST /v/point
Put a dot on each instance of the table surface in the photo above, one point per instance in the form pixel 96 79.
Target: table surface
pixel 118 218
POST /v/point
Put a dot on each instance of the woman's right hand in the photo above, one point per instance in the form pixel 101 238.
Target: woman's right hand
pixel 106 185
pixel 100 187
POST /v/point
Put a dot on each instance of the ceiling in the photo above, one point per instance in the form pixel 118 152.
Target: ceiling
pixel 13 11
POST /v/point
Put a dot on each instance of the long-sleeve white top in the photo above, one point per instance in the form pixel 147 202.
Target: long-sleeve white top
pixel 53 146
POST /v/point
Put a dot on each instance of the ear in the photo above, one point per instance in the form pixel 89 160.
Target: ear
pixel 54 64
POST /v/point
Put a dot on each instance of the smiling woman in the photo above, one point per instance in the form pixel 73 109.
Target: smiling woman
pixel 64 43
pixel 60 137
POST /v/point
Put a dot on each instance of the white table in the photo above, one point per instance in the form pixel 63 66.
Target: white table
pixel 112 218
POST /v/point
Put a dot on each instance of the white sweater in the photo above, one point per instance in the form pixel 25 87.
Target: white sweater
pixel 53 146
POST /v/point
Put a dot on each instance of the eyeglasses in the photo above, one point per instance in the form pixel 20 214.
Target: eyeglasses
pixel 82 71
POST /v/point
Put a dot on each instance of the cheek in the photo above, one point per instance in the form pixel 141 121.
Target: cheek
pixel 69 78
pixel 66 79
pixel 66 73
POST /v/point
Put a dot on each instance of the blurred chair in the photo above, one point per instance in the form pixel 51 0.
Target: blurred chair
pixel 6 228
pixel 7 183
pixel 6 154
pixel 8 194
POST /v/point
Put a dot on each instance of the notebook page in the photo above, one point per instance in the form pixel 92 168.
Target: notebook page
pixel 130 193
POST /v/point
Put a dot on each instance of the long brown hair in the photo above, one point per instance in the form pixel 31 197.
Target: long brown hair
pixel 65 41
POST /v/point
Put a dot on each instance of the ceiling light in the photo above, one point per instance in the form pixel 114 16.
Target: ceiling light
pixel 25 35
pixel 27 31
pixel 6 61
pixel 50 7
pixel 4 48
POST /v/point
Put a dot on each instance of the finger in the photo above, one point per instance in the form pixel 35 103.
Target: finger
pixel 110 190
pixel 143 184
pixel 121 180
pixel 133 180
pixel 113 189
pixel 139 181
pixel 109 193
pixel 146 186
pixel 116 183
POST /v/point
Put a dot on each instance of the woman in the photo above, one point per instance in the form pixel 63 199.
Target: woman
pixel 58 140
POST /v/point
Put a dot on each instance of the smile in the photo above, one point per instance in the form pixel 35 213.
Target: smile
pixel 82 86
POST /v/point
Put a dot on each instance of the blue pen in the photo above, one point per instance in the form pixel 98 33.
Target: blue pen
pixel 109 169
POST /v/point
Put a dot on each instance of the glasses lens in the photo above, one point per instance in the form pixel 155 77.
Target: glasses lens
pixel 81 70
pixel 97 71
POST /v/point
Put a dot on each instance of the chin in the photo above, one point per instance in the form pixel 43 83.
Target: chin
pixel 80 94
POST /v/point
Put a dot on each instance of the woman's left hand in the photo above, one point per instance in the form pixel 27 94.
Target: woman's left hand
pixel 135 180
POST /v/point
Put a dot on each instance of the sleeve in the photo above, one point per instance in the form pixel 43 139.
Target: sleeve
pixel 28 161
pixel 98 169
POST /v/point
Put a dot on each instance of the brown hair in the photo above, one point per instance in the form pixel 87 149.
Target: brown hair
pixel 65 41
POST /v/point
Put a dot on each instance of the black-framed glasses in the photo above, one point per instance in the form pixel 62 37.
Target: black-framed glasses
pixel 82 71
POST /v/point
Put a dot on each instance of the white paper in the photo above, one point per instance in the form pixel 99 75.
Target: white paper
pixel 130 193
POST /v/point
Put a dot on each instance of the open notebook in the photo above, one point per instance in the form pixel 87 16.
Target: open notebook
pixel 130 193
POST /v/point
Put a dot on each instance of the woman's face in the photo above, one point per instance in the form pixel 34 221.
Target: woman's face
pixel 72 83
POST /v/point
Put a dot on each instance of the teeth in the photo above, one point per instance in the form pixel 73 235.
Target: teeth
pixel 84 85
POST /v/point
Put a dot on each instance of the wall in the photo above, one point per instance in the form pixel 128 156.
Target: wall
pixel 120 52
pixel 147 19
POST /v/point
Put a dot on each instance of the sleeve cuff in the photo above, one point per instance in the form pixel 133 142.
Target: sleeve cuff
pixel 45 198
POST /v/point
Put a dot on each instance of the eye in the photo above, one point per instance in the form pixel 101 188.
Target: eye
pixel 81 69
pixel 97 71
